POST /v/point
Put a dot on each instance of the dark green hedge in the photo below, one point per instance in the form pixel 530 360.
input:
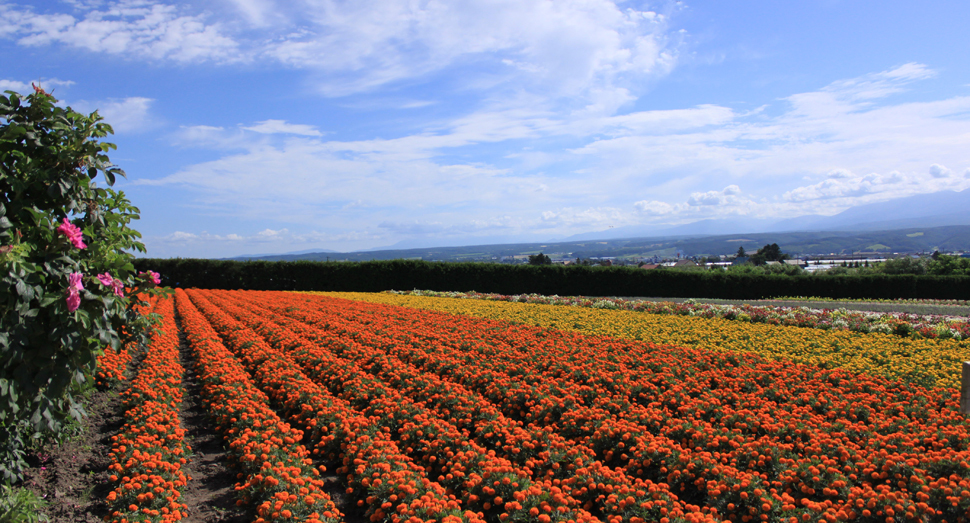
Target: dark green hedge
pixel 547 279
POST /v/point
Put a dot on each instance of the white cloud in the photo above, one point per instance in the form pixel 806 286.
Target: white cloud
pixel 281 127
pixel 594 48
pixel 666 121
pixel 654 208
pixel 589 218
pixel 849 185
pixel 881 84
pixel 727 196
pixel 270 234
pixel 258 13
pixel 939 171
pixel 125 115
pixel 570 45
pixel 130 28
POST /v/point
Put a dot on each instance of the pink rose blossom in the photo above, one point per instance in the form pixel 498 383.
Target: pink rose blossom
pixel 73 301
pixel 74 282
pixel 116 285
pixel 74 287
pixel 72 232
pixel 153 276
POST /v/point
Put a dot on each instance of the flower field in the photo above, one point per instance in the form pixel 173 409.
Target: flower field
pixel 900 324
pixel 429 416
pixel 928 362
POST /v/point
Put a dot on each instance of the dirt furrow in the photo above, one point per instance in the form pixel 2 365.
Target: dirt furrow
pixel 210 493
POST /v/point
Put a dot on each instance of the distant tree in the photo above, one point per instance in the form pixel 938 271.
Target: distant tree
pixel 747 268
pixel 935 255
pixel 903 265
pixel 945 265
pixel 539 259
pixel 741 253
pixel 768 253
pixel 834 271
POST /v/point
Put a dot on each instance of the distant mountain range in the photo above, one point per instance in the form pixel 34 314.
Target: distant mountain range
pixel 923 210
pixel 921 223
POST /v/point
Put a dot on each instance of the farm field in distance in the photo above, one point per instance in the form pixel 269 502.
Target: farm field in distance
pixel 352 407
pixel 926 361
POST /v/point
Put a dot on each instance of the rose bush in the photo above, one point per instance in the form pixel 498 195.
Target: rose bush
pixel 68 290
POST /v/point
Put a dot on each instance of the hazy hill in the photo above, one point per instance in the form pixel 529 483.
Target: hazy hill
pixel 797 243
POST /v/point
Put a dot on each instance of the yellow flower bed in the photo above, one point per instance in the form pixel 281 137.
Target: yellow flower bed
pixel 924 361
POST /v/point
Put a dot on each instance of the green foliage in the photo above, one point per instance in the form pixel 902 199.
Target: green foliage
pixel 748 268
pixel 19 505
pixel 903 265
pixel 539 259
pixel 59 232
pixel 945 265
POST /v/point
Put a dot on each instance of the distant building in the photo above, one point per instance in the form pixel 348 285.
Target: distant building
pixel 649 266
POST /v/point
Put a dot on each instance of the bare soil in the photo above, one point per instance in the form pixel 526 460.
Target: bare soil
pixel 72 476
pixel 210 492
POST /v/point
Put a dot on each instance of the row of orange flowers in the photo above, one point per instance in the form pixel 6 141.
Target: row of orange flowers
pixel 111 363
pixel 519 484
pixel 387 484
pixel 828 444
pixel 278 480
pixel 149 451
pixel 111 367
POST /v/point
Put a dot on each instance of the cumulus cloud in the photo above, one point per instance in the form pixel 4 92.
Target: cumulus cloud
pixel 939 171
pixel 726 196
pixel 845 185
pixel 654 208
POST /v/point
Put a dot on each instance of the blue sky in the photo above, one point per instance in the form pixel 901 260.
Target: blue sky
pixel 256 126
